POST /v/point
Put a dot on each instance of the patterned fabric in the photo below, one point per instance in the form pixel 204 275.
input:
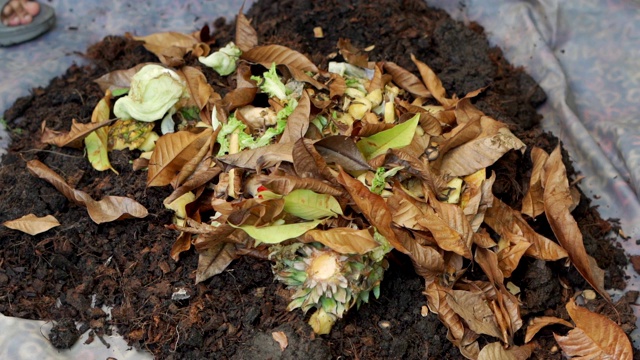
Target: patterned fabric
pixel 585 54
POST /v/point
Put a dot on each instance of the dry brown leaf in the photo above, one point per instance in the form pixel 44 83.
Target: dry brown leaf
pixel 31 224
pixel 199 89
pixel 437 303
pixel 342 151
pixel 251 159
pixel 488 261
pixel 447 238
pixel 466 112
pixel 193 164
pixel 538 323
pixel 377 82
pixel 281 338
pixel 427 261
pixel 284 184
pixel 203 173
pixel 281 55
pixel 72 138
pixel 172 152
pixel 344 240
pixel 473 308
pixel 373 207
pixel 298 121
pixel 595 336
pixel 170 47
pixel 406 209
pixel 509 257
pixel 508 222
pixel 480 152
pixel 453 217
pixel 533 201
pixel 118 79
pixel 246 36
pixel 305 159
pixel 245 91
pixel 496 351
pixel 460 135
pixel 215 260
pixel 337 86
pixel 557 201
pixel 182 244
pixel 406 80
pixel 433 83
pixel 109 208
pixel 352 54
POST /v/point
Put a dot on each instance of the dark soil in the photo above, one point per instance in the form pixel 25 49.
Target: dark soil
pixel 126 264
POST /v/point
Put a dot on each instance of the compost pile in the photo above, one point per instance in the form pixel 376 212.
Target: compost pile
pixel 376 174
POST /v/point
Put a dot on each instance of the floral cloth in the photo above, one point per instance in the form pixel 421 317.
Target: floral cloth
pixel 585 54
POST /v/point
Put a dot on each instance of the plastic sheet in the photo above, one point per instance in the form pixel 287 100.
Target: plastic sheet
pixel 586 56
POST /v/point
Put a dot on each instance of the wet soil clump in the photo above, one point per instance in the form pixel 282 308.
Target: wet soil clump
pixel 73 270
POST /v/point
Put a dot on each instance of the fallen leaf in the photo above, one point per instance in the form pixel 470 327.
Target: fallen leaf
pixel 280 55
pixel 281 338
pixel 172 152
pixel 182 244
pixel 433 83
pixel 283 184
pixel 373 207
pixel 473 308
pixel 557 201
pixel 118 79
pixel 406 80
pixel 352 54
pixel 246 36
pixel 344 240
pixel 305 159
pixel 342 151
pixel 97 142
pixel 199 89
pixel 479 153
pixel 397 137
pixel 270 154
pixel 447 238
pixel 538 323
pixel 509 257
pixel 437 302
pixel 275 234
pixel 427 261
pixel 170 47
pixel 214 260
pixel 595 336
pixel 72 138
pixel 377 82
pixel 245 90
pixel 108 209
pixel 496 351
pixel 533 201
pixel 508 222
pixel 32 224
pixel 298 121
pixel 309 205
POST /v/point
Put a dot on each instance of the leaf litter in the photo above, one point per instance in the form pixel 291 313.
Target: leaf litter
pixel 310 193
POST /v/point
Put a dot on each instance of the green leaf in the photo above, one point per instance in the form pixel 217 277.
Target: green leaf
pixel 275 234
pixel 309 205
pixel 397 137
pixel 120 92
